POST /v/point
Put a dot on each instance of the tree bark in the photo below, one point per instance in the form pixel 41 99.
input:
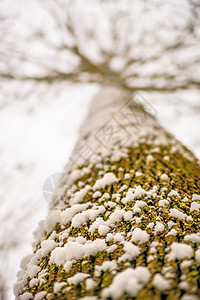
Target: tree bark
pixel 126 218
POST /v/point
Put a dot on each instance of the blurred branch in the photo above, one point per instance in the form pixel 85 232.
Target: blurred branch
pixel 76 35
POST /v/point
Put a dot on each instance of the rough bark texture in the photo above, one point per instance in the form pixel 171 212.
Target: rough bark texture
pixel 133 234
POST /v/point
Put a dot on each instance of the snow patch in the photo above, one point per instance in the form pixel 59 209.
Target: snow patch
pixel 194 206
pixel 129 281
pixel 159 227
pixel 77 278
pixel 161 283
pixel 26 296
pixel 197 255
pixel 172 232
pixel 173 212
pixel 162 203
pixel 97 194
pixel 73 250
pixel 103 229
pixel 40 295
pixel 139 235
pixel 109 178
pixel 47 246
pixel 128 216
pixel 195 197
pixel 90 284
pixel 193 238
pixel 84 216
pixel 164 177
pixel 131 251
pixel 180 251
pixel 52 219
pixel 78 197
pixel 69 213
pixel 58 286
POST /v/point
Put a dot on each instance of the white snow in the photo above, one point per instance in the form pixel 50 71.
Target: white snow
pixel 197 255
pixel 118 237
pixel 128 216
pixel 106 196
pixel 51 220
pixel 140 236
pixel 33 281
pixel 170 224
pixel 110 204
pixel 149 158
pixel 185 199
pixel 159 227
pixel 129 197
pixel 77 278
pixel 166 157
pixel 70 212
pixel 47 246
pixel 173 193
pixel 129 281
pixel 89 298
pixel 173 212
pixel 33 271
pixel 139 192
pixel 96 225
pixel 161 283
pixel 194 206
pixel 92 247
pixel 58 286
pixel 162 203
pixel 109 237
pixel 193 238
pixel 172 232
pixel 74 250
pixel 137 174
pixel 97 194
pixel 189 297
pixel 127 176
pixel 140 204
pixel 164 177
pixel 150 225
pixel 116 216
pixel 185 264
pixel 107 266
pixel 131 251
pixel 78 197
pixel 76 174
pixel 180 251
pixel 183 285
pixel 195 197
pixel 90 214
pixel 137 219
pixel 90 284
pixel 26 296
pixel 40 295
pixel 70 251
pixel 108 178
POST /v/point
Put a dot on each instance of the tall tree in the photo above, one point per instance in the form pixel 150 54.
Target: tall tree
pixel 125 220
pixel 128 224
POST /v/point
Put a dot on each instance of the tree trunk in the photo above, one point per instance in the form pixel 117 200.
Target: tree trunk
pixel 125 224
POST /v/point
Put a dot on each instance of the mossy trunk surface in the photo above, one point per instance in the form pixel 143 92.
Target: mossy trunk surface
pixel 153 184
